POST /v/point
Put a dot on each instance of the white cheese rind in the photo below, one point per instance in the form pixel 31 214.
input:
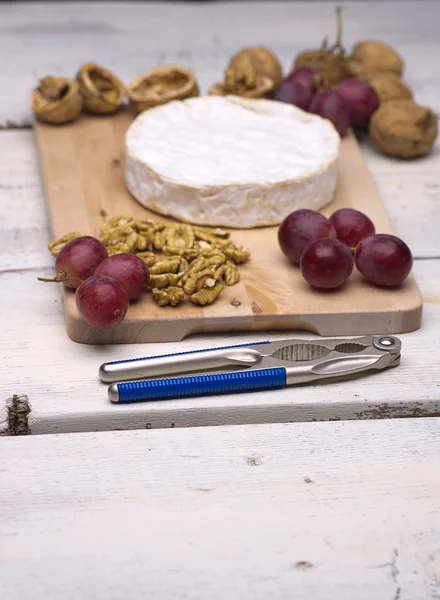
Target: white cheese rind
pixel 231 161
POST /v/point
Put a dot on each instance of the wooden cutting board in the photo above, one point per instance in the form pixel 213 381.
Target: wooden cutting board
pixel 82 168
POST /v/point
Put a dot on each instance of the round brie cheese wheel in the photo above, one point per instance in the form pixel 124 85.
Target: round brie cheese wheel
pixel 231 161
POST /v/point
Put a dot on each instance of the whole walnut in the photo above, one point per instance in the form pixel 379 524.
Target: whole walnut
pixel 388 86
pixel 249 63
pixel 331 64
pixel 403 129
pixel 371 55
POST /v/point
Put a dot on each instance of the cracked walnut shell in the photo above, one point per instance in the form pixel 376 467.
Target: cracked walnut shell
pixel 263 87
pixel 250 63
pixel 388 86
pixel 56 100
pixel 371 55
pixel 252 72
pixel 403 129
pixel 161 85
pixel 102 90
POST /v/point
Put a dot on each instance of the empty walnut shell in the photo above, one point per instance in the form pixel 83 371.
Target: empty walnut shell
pixel 331 64
pixel 403 129
pixel 161 85
pixel 103 92
pixel 263 87
pixel 56 100
pixel 251 63
pixel 388 86
pixel 370 55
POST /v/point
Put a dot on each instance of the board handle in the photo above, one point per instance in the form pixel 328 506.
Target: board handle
pixel 197 385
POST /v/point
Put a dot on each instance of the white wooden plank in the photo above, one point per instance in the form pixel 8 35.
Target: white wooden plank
pixel 412 202
pixel 23 218
pixel 319 510
pixel 410 192
pixel 381 165
pixel 133 37
pixel 60 378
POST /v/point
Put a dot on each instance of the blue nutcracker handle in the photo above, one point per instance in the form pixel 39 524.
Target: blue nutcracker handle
pixel 197 385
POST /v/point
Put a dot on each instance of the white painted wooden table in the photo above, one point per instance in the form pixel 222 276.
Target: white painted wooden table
pixel 327 511
pixel 59 377
pixel 272 507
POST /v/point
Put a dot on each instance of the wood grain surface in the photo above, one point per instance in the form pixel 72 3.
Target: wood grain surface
pixel 82 168
pixel 316 510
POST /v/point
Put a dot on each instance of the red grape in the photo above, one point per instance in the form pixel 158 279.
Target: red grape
pixel 294 93
pixel 384 259
pixel 306 76
pixel 326 264
pixel 130 270
pixel 351 226
pixel 360 99
pixel 299 229
pixel 78 259
pixel 329 105
pixel 101 301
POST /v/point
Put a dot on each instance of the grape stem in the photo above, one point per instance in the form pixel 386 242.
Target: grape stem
pixel 338 44
pixel 59 278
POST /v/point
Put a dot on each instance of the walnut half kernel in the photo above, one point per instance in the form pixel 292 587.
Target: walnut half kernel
pixel 170 296
pixel 207 295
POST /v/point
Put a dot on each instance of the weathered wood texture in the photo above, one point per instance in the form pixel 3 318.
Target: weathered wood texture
pixel 60 377
pixel 328 510
pixel 133 37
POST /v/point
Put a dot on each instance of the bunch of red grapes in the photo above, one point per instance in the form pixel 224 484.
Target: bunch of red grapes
pixel 104 285
pixel 350 105
pixel 327 250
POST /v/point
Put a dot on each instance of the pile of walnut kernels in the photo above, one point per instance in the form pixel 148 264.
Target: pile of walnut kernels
pixel 183 260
